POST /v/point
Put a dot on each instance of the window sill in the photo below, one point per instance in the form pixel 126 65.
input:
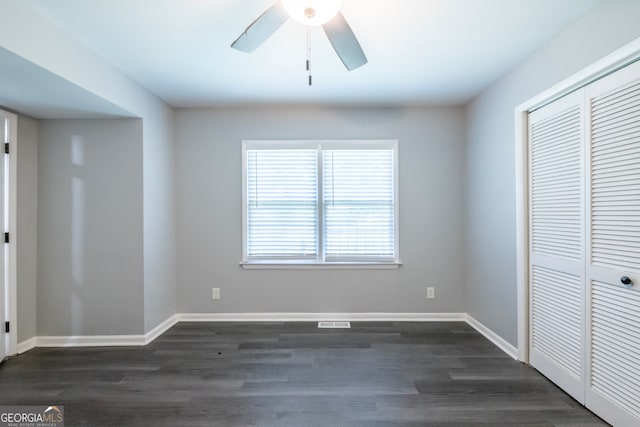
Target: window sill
pixel 317 266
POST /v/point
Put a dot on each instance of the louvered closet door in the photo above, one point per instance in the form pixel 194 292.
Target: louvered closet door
pixel 556 165
pixel 613 267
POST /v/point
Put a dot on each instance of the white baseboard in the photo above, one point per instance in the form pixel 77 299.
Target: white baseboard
pixel 99 340
pixel 501 343
pixel 315 317
pixel 160 329
pixel 141 340
pixel 26 345
pixel 91 341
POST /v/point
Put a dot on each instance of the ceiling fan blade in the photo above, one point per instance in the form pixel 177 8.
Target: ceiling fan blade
pixel 261 29
pixel 344 42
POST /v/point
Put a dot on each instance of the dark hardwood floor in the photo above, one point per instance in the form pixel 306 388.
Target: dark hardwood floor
pixel 293 374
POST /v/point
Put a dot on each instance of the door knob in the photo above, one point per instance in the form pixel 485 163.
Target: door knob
pixel 625 280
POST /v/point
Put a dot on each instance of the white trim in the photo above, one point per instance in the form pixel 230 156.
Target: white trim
pixel 316 317
pixel 101 340
pixel 522 235
pixel 11 304
pixel 329 144
pixel 616 60
pixel 160 329
pixel 13 232
pixel 91 341
pixel 320 266
pixel 321 248
pixel 396 200
pixel 141 340
pixel 500 342
pixel 27 345
pixel 620 58
pixel 245 200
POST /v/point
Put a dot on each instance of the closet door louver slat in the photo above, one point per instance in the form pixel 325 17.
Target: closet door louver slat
pixel 556 179
pixel 556 301
pixel 615 183
pixel 615 344
pixel 556 191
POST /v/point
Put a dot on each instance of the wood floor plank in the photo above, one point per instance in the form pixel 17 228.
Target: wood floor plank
pixel 293 374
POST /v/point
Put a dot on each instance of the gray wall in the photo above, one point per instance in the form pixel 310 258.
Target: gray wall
pixel 159 218
pixel 208 196
pixel 490 290
pixel 90 228
pixel 94 83
pixel 26 223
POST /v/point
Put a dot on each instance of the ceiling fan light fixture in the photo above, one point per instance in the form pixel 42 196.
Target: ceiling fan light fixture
pixel 312 12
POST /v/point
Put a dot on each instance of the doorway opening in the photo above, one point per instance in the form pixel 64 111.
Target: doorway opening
pixel 8 288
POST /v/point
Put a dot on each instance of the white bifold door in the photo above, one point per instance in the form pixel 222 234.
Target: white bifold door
pixel 584 196
pixel 4 290
pixel 557 249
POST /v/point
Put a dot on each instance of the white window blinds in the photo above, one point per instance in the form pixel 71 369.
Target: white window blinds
pixel 318 203
pixel 358 204
pixel 282 220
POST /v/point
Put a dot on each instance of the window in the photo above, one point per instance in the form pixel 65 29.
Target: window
pixel 320 203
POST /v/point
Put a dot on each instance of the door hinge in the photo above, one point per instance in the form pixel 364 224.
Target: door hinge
pixel 6 237
pixel 7 327
pixel 6 148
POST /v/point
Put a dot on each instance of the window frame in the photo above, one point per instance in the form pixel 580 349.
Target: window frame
pixel 320 261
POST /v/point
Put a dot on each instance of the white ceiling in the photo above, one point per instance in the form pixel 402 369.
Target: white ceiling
pixel 420 51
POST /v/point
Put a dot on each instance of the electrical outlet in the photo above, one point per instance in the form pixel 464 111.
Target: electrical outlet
pixel 431 293
pixel 215 293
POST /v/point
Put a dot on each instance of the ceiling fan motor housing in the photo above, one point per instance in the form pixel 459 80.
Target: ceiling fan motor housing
pixel 312 12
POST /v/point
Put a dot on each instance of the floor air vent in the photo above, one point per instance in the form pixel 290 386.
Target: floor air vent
pixel 335 325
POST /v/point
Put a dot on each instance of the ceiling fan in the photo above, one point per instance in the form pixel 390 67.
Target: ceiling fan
pixel 311 13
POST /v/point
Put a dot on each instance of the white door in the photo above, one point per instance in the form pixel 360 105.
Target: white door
pixel 613 249
pixel 556 236
pixel 4 288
